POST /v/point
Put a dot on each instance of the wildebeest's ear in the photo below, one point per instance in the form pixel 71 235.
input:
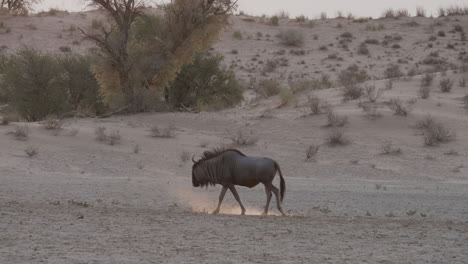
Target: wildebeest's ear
pixel 193 159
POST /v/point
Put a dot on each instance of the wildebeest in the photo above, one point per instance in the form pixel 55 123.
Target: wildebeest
pixel 230 167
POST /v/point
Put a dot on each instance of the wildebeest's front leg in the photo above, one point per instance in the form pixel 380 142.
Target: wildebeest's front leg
pixel 234 192
pixel 221 197
pixel 268 193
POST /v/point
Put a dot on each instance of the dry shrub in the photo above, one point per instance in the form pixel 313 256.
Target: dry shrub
pixel 114 138
pixel 398 107
pixel 291 37
pixel 352 75
pixel 162 132
pixel 20 132
pixel 420 11
pixel 352 92
pixel 311 152
pixel 52 123
pixel 371 93
pixel 426 80
pixel 313 106
pixel 100 133
pixel 267 88
pixel 335 120
pixel 446 85
pixel 424 92
pixel 389 13
pixel 389 149
pixel 336 138
pixel 286 97
pixel 434 132
pixel 393 71
pixel 244 138
pixel 31 151
pixel 362 49
pixel 371 109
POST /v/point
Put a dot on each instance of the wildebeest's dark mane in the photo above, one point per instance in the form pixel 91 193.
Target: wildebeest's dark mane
pixel 209 154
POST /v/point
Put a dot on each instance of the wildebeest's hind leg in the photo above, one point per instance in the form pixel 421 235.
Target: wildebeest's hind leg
pixel 268 194
pixel 278 201
pixel 234 192
pixel 221 197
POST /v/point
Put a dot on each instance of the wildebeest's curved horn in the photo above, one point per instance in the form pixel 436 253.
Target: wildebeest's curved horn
pixel 193 159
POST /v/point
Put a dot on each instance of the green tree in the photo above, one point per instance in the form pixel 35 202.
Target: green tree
pixel 204 84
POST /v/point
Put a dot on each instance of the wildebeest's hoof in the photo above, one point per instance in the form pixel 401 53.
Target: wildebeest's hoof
pixel 264 213
pixel 215 212
pixel 243 213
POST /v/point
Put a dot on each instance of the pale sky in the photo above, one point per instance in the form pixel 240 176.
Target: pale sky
pixel 310 8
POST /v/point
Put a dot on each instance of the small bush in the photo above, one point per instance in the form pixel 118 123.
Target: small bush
pixel 244 139
pixel 372 41
pixel 398 107
pixel 163 132
pixel 352 92
pixel 52 123
pixel 434 132
pixel 363 50
pixel 268 88
pixel 31 151
pixel 237 35
pixel 346 35
pixel 389 149
pixel 426 80
pixel 424 92
pixel 313 106
pixel 291 37
pixel 311 152
pixel 96 24
pixel 352 75
pixel 20 132
pixel 114 138
pixel 65 49
pixel 375 27
pixel 335 120
pixel 371 93
pixel 274 20
pixel 286 96
pixel 370 109
pixel 389 13
pixel 462 82
pixel 393 71
pixel 441 33
pixel 446 85
pixel 420 11
pixel 336 138
pixel 100 133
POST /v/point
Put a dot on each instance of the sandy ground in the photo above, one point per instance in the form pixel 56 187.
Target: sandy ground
pixel 84 201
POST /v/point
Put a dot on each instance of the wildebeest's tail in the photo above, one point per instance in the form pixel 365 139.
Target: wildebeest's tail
pixel 282 182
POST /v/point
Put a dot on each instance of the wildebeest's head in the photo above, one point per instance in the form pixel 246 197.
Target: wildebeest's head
pixel 194 179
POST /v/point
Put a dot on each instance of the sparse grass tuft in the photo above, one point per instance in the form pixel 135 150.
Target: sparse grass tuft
pixel 335 120
pixel 336 138
pixel 371 93
pixel 100 133
pixel 286 97
pixel 446 85
pixel 114 138
pixel 31 151
pixel 311 152
pixel 398 107
pixel 20 132
pixel 389 149
pixel 162 132
pixel 244 139
pixel 424 92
